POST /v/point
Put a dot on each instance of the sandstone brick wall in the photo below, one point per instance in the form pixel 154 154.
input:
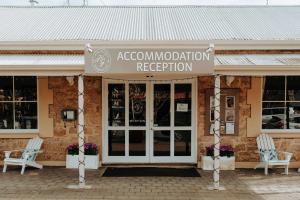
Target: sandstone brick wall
pixel 65 96
pixel 246 149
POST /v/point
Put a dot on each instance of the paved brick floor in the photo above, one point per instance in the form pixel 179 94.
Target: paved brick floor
pixel 50 183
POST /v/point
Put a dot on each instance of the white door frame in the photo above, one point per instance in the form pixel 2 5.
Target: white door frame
pixel 149 158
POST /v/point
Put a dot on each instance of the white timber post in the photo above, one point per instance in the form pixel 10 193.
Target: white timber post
pixel 217 95
pixel 80 130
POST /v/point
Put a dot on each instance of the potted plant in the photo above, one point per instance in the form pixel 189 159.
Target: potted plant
pixel 227 159
pixel 90 153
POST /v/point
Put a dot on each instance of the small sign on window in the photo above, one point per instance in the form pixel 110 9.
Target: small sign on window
pixel 182 107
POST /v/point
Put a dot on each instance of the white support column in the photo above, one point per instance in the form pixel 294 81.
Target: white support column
pixel 217 97
pixel 80 130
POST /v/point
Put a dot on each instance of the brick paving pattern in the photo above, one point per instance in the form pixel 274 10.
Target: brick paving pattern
pixel 51 182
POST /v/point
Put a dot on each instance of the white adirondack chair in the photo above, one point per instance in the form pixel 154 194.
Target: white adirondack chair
pixel 269 155
pixel 28 155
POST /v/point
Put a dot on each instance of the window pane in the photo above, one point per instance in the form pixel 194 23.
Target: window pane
pixel 293 88
pixel 137 143
pixel 183 104
pixel 6 88
pixel 6 116
pixel 162 104
pixel 116 143
pixel 137 104
pixel 274 88
pixel 25 115
pixel 116 104
pixel 273 115
pixel 161 143
pixel 293 121
pixel 25 88
pixel 182 143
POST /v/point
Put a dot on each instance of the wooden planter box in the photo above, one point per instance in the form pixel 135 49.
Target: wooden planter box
pixel 91 161
pixel 226 163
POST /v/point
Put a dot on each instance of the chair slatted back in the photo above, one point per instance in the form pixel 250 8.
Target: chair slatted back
pixel 33 146
pixel 265 143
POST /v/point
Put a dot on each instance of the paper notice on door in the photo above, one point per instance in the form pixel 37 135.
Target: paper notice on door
pixel 182 107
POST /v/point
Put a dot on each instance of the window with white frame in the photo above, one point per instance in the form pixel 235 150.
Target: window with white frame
pixel 18 102
pixel 281 102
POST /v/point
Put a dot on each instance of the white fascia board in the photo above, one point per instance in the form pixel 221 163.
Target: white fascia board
pixel 41 70
pixel 257 70
pixel 219 44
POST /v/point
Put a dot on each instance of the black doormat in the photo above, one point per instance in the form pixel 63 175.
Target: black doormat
pixel 150 171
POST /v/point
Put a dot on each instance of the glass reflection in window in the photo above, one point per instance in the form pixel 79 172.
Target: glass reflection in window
pixel 25 115
pixel 293 120
pixel 161 143
pixel 6 116
pixel 137 143
pixel 116 143
pixel 162 104
pixel 182 143
pixel 25 88
pixel 273 115
pixel 274 88
pixel 6 88
pixel 293 88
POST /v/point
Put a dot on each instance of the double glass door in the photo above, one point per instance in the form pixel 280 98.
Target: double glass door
pixel 149 122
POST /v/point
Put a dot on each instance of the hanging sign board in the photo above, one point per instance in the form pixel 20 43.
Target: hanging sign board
pixel 111 60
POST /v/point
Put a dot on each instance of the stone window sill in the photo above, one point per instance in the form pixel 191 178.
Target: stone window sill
pixel 18 135
pixel 283 133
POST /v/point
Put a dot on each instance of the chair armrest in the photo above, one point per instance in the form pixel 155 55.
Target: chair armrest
pixel 8 153
pixel 287 155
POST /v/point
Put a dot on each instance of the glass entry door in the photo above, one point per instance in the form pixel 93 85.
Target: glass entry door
pixel 172 122
pixel 149 122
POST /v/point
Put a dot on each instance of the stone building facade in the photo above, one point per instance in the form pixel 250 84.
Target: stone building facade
pixel 64 133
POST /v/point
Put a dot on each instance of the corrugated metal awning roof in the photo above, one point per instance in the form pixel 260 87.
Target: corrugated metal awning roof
pixel 41 65
pixel 258 64
pixel 59 65
pixel 267 60
pixel 166 23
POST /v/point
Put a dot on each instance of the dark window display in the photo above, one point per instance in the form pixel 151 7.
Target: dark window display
pixel 137 104
pixel 25 115
pixel 18 102
pixel 6 88
pixel 283 112
pixel 274 88
pixel 25 88
pixel 137 143
pixel 183 104
pixel 116 104
pixel 6 116
pixel 182 143
pixel 161 143
pixel 273 115
pixel 293 88
pixel 116 143
pixel 162 94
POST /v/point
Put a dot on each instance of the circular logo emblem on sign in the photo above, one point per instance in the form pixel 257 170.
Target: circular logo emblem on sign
pixel 101 60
